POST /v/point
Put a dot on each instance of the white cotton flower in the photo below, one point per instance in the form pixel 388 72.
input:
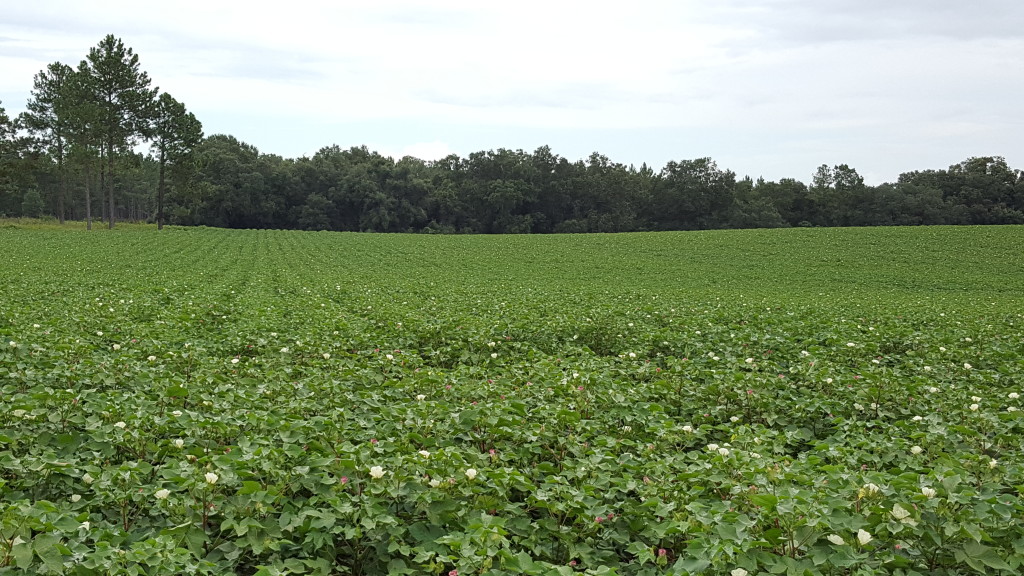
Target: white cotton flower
pixel 917 418
pixel 283 350
pixel 35 325
pixel 1013 395
pixel 688 429
pixel 850 344
pixel 471 473
pixel 87 478
pixel 235 360
pixel 870 489
pixel 899 512
pixel 738 572
pixel 434 483
pixel 491 344
pixel 12 344
pixel 974 407
pixel 421 397
pixel 755 455
pixel 376 472
pixel 933 390
pixel 993 463
pixel 326 355
pixel 836 539
pixel 928 492
pixel 99 333
pixel 76 497
pixel 19 413
pixel 162 494
pixel 176 413
pixel 916 450
pixel 858 406
pixel 151 358
pixel 927 368
pixel 828 380
pixel 749 360
pixel 424 453
pixel 942 348
pixel 863 537
pixel 116 346
pixel 389 356
pixel 120 425
pixel 494 354
pixel 715 358
pixel 734 419
pixel 976 398
pixel 211 478
pixel 85 525
pixel 723 451
pixel 1012 409
pixel 712 447
pixel 805 353
pixel 178 443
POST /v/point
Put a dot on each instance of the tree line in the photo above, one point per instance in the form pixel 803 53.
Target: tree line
pixel 77 152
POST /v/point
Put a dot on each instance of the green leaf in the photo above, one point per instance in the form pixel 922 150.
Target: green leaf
pixel 22 553
pixel 974 552
pixel 766 501
pixel 177 392
pixel 45 547
pixel 692 565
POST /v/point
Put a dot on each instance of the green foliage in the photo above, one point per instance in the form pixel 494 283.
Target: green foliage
pixel 176 134
pixel 795 401
pixel 32 204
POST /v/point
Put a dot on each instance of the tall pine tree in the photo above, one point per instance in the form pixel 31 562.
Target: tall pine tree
pixel 176 133
pixel 47 116
pixel 124 102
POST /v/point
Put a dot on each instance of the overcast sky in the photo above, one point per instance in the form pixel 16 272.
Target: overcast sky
pixel 770 88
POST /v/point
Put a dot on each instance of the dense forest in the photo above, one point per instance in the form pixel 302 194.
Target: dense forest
pixel 98 142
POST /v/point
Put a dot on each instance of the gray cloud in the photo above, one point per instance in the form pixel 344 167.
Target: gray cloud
pixel 575 95
pixel 801 22
pixel 773 87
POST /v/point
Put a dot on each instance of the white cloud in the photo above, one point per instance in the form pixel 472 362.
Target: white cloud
pixel 772 87
pixel 427 150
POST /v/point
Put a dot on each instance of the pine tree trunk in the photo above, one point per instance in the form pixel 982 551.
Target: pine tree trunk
pixel 160 193
pixel 102 188
pixel 63 190
pixel 88 200
pixel 110 184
